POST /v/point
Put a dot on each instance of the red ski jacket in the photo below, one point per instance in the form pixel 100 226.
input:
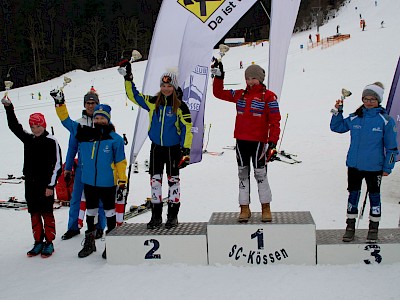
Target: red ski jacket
pixel 258 117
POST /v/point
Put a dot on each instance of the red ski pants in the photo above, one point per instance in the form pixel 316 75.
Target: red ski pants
pixel 43 226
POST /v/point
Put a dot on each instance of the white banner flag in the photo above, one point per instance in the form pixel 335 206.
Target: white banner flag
pixel 283 18
pixel 185 34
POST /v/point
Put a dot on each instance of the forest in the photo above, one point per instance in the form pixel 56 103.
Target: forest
pixel 42 39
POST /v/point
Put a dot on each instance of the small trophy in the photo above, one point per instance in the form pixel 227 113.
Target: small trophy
pixel 66 81
pixel 223 49
pixel 8 84
pixel 135 56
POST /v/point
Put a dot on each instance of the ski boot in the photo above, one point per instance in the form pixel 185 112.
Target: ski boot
pixel 266 212
pixel 89 245
pixel 48 249
pixel 36 250
pixel 172 216
pixel 372 235
pixel 245 213
pixel 70 234
pixel 156 216
pixel 350 230
pixel 99 234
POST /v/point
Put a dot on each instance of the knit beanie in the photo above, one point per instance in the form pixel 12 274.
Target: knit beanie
pixel 255 71
pixel 374 90
pixel 91 96
pixel 37 119
pixel 102 110
pixel 170 78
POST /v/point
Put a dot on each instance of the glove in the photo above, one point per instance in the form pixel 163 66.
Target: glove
pixel 67 176
pixel 6 101
pixel 185 158
pixel 217 69
pixel 125 69
pixel 58 96
pixel 271 152
pixel 179 93
pixel 121 193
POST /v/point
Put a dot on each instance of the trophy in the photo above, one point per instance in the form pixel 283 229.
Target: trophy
pixel 8 84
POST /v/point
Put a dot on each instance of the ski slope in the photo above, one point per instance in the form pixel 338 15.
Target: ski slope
pixel 314 79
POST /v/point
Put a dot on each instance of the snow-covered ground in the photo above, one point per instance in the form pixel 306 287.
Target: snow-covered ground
pixel 313 82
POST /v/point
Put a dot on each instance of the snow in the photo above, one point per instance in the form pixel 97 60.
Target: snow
pixel 313 82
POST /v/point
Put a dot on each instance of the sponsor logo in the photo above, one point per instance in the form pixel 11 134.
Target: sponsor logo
pixel 202 9
pixel 106 149
pixel 377 129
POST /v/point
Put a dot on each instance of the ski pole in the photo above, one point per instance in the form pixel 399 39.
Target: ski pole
pixel 362 208
pixel 208 139
pixel 283 132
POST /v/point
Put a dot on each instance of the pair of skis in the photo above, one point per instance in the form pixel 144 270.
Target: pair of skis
pixel 136 210
pixel 13 203
pixel 287 158
pixel 11 179
pixel 282 156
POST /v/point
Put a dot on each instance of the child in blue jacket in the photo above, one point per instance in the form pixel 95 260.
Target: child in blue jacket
pixel 171 137
pixel 102 162
pixel 372 154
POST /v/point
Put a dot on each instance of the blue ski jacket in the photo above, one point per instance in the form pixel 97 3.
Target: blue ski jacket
pixel 373 144
pixel 101 151
pixel 166 128
pixel 73 142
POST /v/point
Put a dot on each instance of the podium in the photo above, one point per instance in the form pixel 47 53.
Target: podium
pixel 331 249
pixel 288 239
pixel 135 244
pixel 291 238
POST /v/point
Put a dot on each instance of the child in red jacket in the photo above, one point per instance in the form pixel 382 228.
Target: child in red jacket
pixel 257 129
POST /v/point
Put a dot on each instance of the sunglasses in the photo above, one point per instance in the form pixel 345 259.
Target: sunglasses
pixel 369 100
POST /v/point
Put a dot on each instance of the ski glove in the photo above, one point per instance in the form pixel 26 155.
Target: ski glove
pixel 121 191
pixel 125 69
pixel 67 177
pixel 271 152
pixel 217 69
pixel 6 101
pixel 185 158
pixel 58 96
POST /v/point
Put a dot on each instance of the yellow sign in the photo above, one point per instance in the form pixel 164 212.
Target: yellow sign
pixel 202 9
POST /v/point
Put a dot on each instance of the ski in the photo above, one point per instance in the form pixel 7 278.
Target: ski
pixel 136 210
pixel 11 177
pixel 11 181
pixel 13 205
pixel 229 147
pixel 12 199
pixel 285 161
pixel 146 165
pixel 289 156
pixel 214 153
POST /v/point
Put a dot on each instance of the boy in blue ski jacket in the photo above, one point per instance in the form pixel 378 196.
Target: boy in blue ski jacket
pixel 103 166
pixel 372 154
pixel 90 100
